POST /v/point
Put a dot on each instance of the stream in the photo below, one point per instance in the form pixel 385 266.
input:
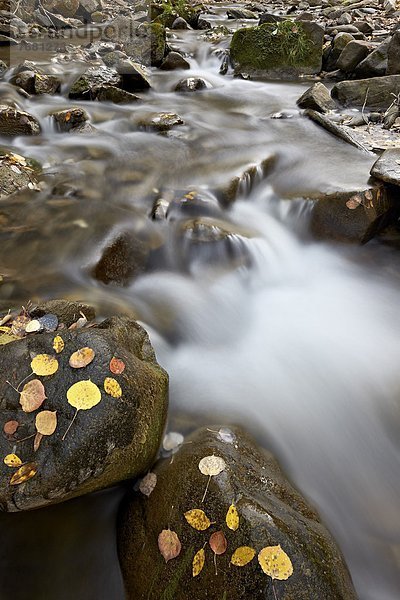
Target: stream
pixel 296 340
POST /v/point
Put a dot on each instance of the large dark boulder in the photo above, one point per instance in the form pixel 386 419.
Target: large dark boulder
pixel 278 50
pixel 271 513
pixel 116 439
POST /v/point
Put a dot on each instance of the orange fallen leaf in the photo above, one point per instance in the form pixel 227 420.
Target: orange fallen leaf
pixel 117 366
pixel 32 396
pixel 218 542
pixel 169 544
pixel 10 427
pixel 81 358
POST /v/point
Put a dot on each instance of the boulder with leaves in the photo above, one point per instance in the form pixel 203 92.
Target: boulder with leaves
pixel 250 536
pixel 75 421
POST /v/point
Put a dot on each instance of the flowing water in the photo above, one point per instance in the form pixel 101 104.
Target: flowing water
pixel 295 339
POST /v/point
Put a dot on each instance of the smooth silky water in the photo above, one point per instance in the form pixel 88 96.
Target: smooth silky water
pixel 300 343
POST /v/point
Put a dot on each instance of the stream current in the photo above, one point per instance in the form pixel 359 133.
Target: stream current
pixel 300 342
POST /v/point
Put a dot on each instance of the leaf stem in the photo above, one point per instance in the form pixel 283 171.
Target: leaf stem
pixel 70 425
pixel 205 491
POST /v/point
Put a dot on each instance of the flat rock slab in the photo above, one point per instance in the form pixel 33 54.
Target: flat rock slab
pixel 387 167
pixel 270 513
pixel 376 93
pixel 116 439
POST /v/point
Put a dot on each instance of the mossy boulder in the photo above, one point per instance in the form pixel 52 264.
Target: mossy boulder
pixel 270 511
pixel 278 50
pixel 116 439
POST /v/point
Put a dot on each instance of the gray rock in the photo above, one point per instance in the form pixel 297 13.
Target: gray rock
pixel 340 42
pixel 270 18
pixel 353 53
pixel 393 67
pixel 71 119
pixel 180 23
pixel 364 26
pixel 161 122
pixel 111 59
pixel 134 77
pixel 375 64
pixel 390 116
pixel 191 84
pixel 271 513
pixel 241 13
pixel 375 93
pixel 122 260
pixel 14 122
pixel 35 81
pixel 143 42
pixel 108 93
pixel 115 440
pixel 173 61
pixel 345 19
pixel 66 8
pixel 15 174
pixel 86 87
pixel 387 167
pixel 317 97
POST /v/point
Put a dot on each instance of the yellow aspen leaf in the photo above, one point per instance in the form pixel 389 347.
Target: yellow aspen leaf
pixel 242 556
pixel 169 544
pixel 32 396
pixel 12 460
pixel 197 519
pixel 44 364
pixel 275 562
pixel 24 473
pixel 112 387
pixel 46 422
pixel 82 395
pixel 58 344
pixel 81 358
pixel 198 562
pixel 6 338
pixel 232 518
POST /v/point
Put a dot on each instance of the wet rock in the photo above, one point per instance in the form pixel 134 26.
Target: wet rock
pixel 115 440
pixel 390 116
pixel 34 81
pixel 270 512
pixel 70 119
pixel 66 8
pixel 351 216
pixel 134 77
pixel 143 42
pixel 192 84
pixel 87 86
pixel 68 312
pixel 278 50
pixel 108 93
pixel 173 61
pixel 180 23
pixel 387 167
pixel 353 53
pixel 122 260
pixel 393 67
pixel 241 13
pixel 335 129
pixel 375 64
pixel 317 97
pixel 376 93
pixel 14 122
pixel 112 58
pixel 270 18
pixel 161 122
pixel 3 68
pixel 88 7
pixel 15 174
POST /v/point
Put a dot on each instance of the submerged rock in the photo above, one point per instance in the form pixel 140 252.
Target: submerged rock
pixel 123 259
pixel 270 512
pixel 278 50
pixel 115 438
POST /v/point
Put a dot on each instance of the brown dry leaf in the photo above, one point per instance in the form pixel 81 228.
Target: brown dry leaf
pixel 197 519
pixel 81 358
pixel 275 562
pixel 19 324
pixel 46 422
pixel 169 544
pixel 37 441
pixel 148 484
pixel 58 344
pixel 32 396
pixel 117 366
pixel 198 562
pixel 24 473
pixel 112 387
pixel 242 556
pixel 44 365
pixel 12 460
pixel 218 542
pixel 354 202
pixel 232 518
pixel 10 427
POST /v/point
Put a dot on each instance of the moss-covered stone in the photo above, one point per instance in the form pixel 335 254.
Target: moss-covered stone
pixel 278 50
pixel 271 513
pixel 115 440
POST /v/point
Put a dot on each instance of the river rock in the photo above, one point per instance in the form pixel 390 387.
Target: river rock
pixel 122 260
pixel 278 50
pixel 376 93
pixel 66 8
pixel 134 77
pixel 70 119
pixel 173 61
pixel 161 122
pixel 387 167
pixel 108 93
pixel 15 122
pixel 191 84
pixel 116 439
pixel 317 97
pixel 351 216
pixel 241 13
pixel 393 67
pixel 34 81
pixel 87 86
pixel 271 513
pixel 352 54
pixel 375 64
pixel 15 174
pixel 180 24
pixel 143 42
